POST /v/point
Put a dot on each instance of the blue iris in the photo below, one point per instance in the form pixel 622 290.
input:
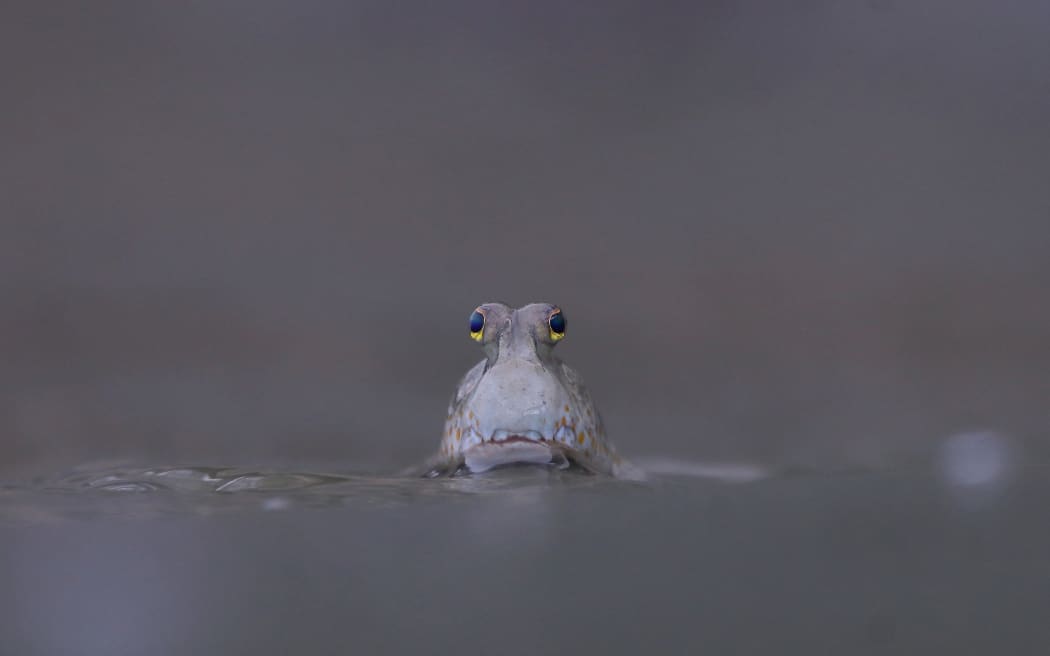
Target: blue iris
pixel 557 322
pixel 477 322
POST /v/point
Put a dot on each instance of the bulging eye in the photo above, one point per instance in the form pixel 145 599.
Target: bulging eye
pixel 477 325
pixel 557 324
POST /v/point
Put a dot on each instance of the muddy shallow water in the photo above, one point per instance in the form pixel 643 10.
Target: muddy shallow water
pixel 197 560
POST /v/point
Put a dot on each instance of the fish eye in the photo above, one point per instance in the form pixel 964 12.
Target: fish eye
pixel 556 322
pixel 477 325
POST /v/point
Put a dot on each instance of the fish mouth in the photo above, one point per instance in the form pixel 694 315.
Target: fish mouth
pixel 516 439
pixel 512 436
pixel 563 436
pixel 512 448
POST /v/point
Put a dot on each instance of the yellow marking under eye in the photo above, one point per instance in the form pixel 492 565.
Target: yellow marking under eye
pixel 579 437
pixel 554 336
pixel 477 336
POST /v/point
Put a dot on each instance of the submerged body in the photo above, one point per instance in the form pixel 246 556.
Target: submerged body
pixel 522 404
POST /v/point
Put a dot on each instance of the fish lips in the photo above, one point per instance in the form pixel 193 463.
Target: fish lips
pixel 514 449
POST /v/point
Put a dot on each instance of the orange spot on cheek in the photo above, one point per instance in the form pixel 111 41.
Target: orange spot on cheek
pixel 579 437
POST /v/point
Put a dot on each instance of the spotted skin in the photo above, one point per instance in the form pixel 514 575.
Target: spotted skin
pixel 522 403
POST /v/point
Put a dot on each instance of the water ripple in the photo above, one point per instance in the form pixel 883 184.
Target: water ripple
pixel 195 490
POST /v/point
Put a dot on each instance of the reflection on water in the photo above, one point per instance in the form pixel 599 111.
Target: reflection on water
pixel 153 491
pixel 971 467
pixel 175 560
pixel 192 479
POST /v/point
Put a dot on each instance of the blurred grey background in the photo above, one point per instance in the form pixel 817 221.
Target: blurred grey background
pixel 237 232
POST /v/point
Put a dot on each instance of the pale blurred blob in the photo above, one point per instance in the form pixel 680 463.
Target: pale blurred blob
pixel 276 503
pixel 726 472
pixel 979 459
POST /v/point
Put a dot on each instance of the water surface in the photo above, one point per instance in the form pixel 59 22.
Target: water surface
pixel 182 560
